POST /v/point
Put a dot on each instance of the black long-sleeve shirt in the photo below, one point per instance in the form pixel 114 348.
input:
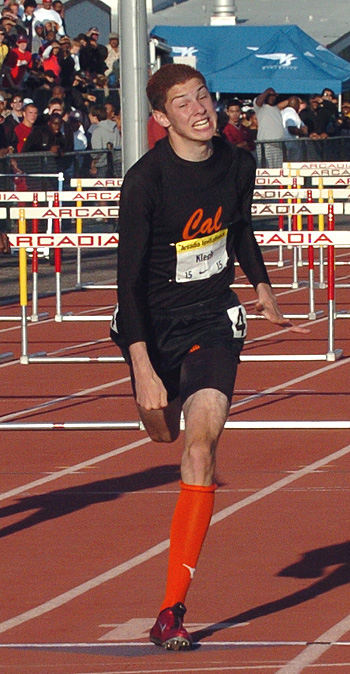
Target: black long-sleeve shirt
pixel 181 225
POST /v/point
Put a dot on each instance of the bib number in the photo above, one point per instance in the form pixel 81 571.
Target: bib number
pixel 238 318
pixel 201 258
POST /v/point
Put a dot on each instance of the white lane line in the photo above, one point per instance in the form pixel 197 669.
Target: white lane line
pixel 60 399
pixel 308 657
pixel 147 555
pixel 72 469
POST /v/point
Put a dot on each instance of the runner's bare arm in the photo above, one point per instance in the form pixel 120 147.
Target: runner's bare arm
pixel 150 391
pixel 266 305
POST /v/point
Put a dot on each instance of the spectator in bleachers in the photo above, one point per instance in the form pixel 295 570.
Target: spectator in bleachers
pixel 76 122
pixel 23 130
pixel 112 61
pixel 11 33
pixel 74 52
pixel 46 13
pixel 58 6
pixel 316 117
pixel 293 129
pixel 270 128
pixel 101 90
pixel 2 108
pixel 235 132
pixel 251 121
pixel 39 86
pixel 3 47
pixel 13 8
pixel 38 38
pixel 51 59
pixel 28 18
pixel 104 136
pixel 47 137
pixel 97 53
pixel 66 62
pixel 15 117
pixel 50 35
pixel 16 64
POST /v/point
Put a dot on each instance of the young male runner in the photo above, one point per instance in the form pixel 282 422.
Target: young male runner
pixel 184 216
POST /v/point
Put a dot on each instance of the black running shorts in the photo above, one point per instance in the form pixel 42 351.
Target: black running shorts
pixel 195 347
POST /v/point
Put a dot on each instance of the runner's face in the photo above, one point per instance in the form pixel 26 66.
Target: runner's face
pixel 190 112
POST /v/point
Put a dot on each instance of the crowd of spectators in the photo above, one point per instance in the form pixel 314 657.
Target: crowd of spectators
pixel 278 124
pixel 58 94
pixel 68 87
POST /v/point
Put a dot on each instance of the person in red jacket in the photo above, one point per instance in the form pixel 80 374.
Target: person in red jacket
pixel 18 60
pixel 235 131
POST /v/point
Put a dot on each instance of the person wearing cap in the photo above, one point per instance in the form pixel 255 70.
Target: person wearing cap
pixel 46 13
pixel 17 62
pixel 112 60
pixel 11 33
pixel 15 117
pixel 97 53
pixel 76 122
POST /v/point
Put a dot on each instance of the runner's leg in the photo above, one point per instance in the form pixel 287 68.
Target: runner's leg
pixel 162 425
pixel 205 414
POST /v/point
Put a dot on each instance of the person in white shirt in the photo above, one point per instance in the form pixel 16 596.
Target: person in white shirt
pixel 270 129
pixel 293 129
pixel 46 13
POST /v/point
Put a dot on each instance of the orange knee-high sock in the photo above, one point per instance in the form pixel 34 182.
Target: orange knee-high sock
pixel 189 526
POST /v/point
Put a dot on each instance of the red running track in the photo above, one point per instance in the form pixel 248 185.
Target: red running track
pixel 85 515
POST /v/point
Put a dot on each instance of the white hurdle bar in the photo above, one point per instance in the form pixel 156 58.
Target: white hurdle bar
pixel 138 425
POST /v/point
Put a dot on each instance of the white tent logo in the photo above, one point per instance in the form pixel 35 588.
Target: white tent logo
pixel 184 51
pixel 284 60
pixel 185 55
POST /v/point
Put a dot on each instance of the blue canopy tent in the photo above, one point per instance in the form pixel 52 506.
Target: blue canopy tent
pixel 242 59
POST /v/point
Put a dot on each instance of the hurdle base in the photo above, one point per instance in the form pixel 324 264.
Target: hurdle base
pixel 313 315
pixel 8 355
pixel 24 360
pixel 321 285
pixel 35 318
pixel 334 355
pixel 60 317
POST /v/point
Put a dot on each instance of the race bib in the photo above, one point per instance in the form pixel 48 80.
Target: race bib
pixel 238 318
pixel 201 258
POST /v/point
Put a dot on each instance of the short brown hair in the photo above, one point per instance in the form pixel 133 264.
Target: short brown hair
pixel 165 78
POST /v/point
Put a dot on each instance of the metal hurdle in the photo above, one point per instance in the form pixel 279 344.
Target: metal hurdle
pixel 56 213
pixel 79 197
pixel 327 239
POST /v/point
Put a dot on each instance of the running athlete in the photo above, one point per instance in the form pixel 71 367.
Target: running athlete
pixel 185 213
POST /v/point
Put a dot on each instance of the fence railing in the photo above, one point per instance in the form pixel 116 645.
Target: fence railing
pixel 16 168
pixel 272 154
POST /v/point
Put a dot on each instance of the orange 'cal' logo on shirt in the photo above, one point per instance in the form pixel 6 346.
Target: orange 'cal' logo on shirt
pixel 196 225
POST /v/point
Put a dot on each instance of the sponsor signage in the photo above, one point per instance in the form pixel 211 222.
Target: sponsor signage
pixel 66 212
pixel 263 210
pixel 97 182
pixel 264 238
pixel 95 195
